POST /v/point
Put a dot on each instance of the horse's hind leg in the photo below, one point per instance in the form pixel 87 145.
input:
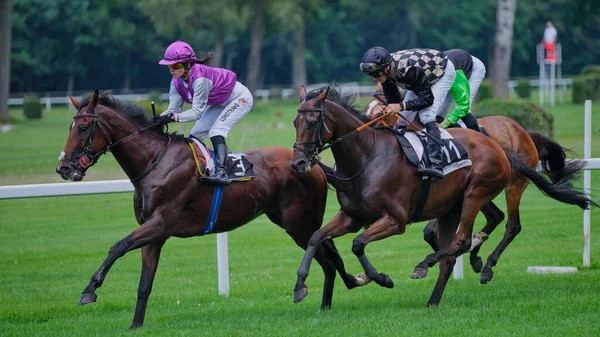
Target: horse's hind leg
pixel 494 216
pixel 150 257
pixel 430 234
pixel 147 233
pixel 446 228
pixel 334 257
pixel 382 228
pixel 513 192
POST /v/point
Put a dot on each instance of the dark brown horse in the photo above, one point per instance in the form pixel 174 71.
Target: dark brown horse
pixel 378 187
pixel 532 147
pixel 169 201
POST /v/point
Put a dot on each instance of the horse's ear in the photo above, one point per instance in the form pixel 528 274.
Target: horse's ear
pixel 379 87
pixel 74 101
pixel 94 101
pixel 302 94
pixel 322 96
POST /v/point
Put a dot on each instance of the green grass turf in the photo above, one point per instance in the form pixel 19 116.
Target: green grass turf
pixel 50 247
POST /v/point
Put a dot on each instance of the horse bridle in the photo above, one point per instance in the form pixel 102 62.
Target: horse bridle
pixel 319 142
pixel 88 159
pixel 322 146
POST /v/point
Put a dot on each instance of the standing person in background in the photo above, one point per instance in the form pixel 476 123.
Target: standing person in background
pixel 549 40
pixel 218 101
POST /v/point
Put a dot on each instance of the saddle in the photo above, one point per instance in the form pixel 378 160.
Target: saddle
pixel 240 168
pixel 414 144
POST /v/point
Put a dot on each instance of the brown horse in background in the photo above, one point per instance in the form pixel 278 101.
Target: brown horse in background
pixel 532 147
pixel 169 201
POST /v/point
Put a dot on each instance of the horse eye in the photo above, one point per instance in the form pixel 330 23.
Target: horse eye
pixel 83 128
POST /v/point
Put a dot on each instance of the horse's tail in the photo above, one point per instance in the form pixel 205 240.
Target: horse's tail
pixel 553 157
pixel 562 190
pixel 329 173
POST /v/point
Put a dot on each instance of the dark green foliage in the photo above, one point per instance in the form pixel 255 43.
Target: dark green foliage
pixel 586 87
pixel 160 107
pixel 154 96
pixel 485 91
pixel 32 107
pixel 532 117
pixel 523 89
pixel 590 69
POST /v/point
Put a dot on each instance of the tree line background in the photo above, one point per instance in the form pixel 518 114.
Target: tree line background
pixel 69 45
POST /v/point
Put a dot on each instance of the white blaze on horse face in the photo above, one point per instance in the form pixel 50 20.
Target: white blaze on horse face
pixel 72 124
pixel 62 155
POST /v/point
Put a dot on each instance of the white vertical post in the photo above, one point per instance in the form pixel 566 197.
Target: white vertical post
pixel 540 53
pixel 552 81
pixel 587 175
pixel 458 268
pixel 223 264
pixel 48 103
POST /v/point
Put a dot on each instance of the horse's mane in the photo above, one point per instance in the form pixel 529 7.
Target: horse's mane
pixel 346 101
pixel 131 111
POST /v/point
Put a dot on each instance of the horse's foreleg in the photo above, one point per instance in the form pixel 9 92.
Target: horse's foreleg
pixel 141 236
pixel 494 216
pixel 513 192
pixel 384 227
pixel 150 257
pixel 339 225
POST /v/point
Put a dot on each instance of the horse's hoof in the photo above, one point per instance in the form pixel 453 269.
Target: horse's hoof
pixel 433 304
pixel 486 276
pixel 419 273
pixel 87 298
pixel 387 281
pixel 362 279
pixel 477 266
pixel 300 294
pixel 135 325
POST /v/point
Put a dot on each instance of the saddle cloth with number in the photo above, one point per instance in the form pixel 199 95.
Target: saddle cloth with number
pixel 454 155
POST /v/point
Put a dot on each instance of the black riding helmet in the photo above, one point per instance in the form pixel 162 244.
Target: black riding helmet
pixel 374 61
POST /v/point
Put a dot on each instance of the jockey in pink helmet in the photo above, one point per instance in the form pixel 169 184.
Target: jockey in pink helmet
pixel 218 101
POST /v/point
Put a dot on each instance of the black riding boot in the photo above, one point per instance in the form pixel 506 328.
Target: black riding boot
pixel 471 122
pixel 434 169
pixel 219 176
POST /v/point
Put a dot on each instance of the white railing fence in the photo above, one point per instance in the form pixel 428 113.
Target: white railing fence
pixel 118 186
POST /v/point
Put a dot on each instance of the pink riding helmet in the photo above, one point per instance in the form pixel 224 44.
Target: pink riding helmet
pixel 178 52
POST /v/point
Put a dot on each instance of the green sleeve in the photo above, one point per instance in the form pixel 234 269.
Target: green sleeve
pixel 461 92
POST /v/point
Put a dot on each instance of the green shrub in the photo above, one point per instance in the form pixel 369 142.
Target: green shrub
pixel 154 96
pixel 32 107
pixel 590 69
pixel 532 117
pixel 586 87
pixel 160 107
pixel 485 92
pixel 523 89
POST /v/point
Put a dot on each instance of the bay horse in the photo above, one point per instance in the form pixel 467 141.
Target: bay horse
pixel 532 147
pixel 378 188
pixel 169 201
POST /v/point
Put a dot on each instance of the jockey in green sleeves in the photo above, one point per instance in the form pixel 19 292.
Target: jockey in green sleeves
pixel 470 72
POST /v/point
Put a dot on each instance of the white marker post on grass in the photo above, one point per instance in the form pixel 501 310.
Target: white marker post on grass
pixel 223 264
pixel 587 177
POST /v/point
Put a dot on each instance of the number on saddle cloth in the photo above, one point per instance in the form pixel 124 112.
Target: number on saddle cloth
pixel 454 155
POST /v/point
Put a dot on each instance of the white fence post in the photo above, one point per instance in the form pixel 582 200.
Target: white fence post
pixel 223 264
pixel 587 177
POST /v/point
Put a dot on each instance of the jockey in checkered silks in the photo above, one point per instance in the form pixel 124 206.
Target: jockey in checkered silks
pixel 427 75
